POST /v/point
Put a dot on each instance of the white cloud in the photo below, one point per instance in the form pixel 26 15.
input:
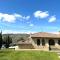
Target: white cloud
pixel 28 22
pixel 55 32
pixel 26 32
pixel 8 18
pixel 31 25
pixel 22 17
pixel 18 15
pixel 52 19
pixel 12 17
pixel 16 32
pixel 41 14
pixel 12 32
pixel 27 17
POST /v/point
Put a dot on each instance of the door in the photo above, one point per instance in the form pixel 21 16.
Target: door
pixel 51 42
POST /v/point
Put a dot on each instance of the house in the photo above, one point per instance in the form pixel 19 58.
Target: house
pixel 42 41
pixel 46 41
pixel 25 44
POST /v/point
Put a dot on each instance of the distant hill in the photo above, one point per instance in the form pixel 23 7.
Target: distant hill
pixel 16 37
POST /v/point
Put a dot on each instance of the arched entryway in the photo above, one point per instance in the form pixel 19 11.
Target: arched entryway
pixel 51 42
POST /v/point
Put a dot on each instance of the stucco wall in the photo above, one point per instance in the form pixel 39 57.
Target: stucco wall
pixel 34 45
pixel 46 47
pixel 34 42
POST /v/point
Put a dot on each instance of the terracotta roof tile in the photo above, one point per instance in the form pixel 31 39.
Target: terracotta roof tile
pixel 45 34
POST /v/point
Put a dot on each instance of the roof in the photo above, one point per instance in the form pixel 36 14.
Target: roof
pixel 45 34
pixel 24 42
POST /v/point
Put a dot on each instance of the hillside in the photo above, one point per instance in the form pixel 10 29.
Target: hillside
pixel 16 37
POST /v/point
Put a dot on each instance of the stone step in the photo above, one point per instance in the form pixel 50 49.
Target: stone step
pixel 54 48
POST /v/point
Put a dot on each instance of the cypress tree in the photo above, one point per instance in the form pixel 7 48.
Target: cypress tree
pixel 1 40
pixel 8 40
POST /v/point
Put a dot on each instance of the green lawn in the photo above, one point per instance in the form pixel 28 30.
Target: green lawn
pixel 27 55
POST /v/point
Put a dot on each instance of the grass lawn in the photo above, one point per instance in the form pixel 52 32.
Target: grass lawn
pixel 27 55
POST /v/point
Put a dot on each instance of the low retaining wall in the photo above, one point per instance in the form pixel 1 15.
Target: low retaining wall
pixel 26 46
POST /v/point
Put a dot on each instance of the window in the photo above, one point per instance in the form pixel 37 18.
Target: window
pixel 43 42
pixel 38 41
pixel 59 42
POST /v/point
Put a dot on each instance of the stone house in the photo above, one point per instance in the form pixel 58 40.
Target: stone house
pixel 46 41
pixel 42 41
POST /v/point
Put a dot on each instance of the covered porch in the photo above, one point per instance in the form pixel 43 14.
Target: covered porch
pixel 46 43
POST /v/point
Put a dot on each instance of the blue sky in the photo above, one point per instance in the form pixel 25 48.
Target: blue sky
pixel 29 16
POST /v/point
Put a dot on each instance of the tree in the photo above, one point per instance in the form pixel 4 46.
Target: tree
pixel 1 40
pixel 8 40
pixel 22 38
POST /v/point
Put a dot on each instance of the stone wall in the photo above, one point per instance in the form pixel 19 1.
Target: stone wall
pixel 26 46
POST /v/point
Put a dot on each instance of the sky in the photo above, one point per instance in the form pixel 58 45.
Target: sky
pixel 29 16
